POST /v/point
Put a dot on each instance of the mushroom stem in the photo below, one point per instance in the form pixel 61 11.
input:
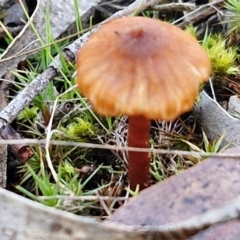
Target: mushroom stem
pixel 138 162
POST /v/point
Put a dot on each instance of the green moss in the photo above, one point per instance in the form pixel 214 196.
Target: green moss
pixel 28 113
pixel 80 129
pixel 223 57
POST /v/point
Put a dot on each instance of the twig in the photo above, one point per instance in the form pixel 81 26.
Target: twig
pixel 135 8
pixel 84 198
pixel 21 150
pixel 201 16
pixel 121 148
pixel 175 7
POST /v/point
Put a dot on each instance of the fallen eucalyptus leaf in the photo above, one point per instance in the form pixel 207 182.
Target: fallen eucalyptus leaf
pixel 215 121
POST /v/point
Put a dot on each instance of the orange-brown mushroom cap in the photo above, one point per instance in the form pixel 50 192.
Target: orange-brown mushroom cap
pixel 140 66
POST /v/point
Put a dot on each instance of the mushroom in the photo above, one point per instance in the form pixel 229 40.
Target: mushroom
pixel 145 69
pixel 203 192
